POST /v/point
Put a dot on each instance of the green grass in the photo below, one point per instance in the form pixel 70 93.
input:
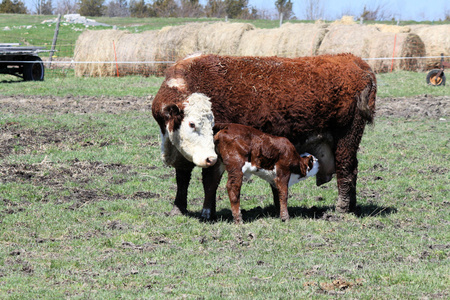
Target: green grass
pixel 82 215
pixel 396 84
pixel 68 85
pixel 407 84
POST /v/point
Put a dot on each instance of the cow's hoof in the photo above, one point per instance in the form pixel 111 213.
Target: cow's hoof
pixel 207 215
pixel 345 208
pixel 342 210
pixel 176 211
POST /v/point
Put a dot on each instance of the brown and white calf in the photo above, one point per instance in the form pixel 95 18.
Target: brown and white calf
pixel 245 151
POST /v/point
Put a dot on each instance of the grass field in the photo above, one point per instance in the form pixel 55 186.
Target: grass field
pixel 84 196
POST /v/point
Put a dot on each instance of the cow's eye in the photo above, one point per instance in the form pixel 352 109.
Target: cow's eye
pixel 192 125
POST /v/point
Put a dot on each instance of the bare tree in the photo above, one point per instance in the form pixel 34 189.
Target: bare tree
pixel 66 7
pixel 284 7
pixel 165 8
pixel 117 8
pixel 190 9
pixel 313 9
pixel 215 9
pixel 379 12
pixel 447 15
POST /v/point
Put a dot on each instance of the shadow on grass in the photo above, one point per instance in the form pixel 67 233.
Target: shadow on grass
pixel 12 80
pixel 324 213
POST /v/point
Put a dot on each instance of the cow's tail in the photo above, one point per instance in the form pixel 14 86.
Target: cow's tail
pixel 366 100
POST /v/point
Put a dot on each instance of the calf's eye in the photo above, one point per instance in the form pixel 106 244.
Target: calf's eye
pixel 192 125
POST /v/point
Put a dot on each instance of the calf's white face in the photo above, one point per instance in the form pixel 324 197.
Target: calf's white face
pixel 193 136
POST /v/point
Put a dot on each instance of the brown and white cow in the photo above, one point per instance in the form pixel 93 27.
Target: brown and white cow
pixel 245 151
pixel 321 104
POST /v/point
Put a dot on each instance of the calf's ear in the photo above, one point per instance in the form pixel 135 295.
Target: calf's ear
pixel 310 162
pixel 173 116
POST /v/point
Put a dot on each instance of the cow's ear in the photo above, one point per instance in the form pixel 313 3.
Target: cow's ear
pixel 173 116
pixel 171 111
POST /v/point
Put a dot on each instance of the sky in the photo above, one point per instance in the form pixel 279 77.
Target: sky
pixel 417 10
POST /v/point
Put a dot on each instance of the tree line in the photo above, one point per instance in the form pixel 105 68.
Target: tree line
pixel 234 9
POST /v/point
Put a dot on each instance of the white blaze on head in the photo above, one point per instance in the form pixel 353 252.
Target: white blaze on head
pixel 194 137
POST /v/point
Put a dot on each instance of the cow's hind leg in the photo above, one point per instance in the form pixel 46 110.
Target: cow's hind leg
pixel 211 178
pixel 183 177
pixel 347 165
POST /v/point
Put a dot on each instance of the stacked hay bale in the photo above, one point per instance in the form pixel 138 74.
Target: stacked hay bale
pixel 380 44
pixel 370 42
pixel 168 44
pixel 437 40
pixel 290 40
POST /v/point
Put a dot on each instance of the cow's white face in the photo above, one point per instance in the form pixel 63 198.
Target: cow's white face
pixel 190 129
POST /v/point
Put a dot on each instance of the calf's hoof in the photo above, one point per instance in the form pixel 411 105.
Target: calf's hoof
pixel 238 220
pixel 285 218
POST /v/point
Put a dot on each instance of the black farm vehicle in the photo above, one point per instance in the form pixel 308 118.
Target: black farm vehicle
pixel 23 62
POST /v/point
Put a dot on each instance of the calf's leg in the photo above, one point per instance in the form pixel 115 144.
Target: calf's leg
pixel 276 198
pixel 234 185
pixel 282 187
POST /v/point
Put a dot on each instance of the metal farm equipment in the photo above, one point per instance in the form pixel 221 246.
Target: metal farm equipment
pixel 23 62
pixel 436 76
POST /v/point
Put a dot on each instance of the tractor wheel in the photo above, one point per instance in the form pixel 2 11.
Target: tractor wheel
pixel 34 70
pixel 433 79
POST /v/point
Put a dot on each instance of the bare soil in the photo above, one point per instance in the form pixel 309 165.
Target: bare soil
pixel 423 106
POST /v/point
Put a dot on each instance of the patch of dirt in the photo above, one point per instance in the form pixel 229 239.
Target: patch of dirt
pixel 412 107
pixel 80 105
pixel 423 106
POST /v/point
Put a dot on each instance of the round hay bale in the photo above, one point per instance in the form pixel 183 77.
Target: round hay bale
pixel 376 46
pixel 175 42
pixel 290 40
pixel 222 38
pixel 137 47
pixel 92 49
pixel 437 40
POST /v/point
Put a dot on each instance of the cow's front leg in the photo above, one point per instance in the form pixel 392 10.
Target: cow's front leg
pixel 211 179
pixel 183 177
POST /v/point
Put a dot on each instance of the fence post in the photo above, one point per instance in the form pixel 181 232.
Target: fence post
pixel 393 52
pixel 281 19
pixel 55 37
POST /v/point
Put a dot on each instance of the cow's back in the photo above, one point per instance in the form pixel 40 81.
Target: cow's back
pixel 285 97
